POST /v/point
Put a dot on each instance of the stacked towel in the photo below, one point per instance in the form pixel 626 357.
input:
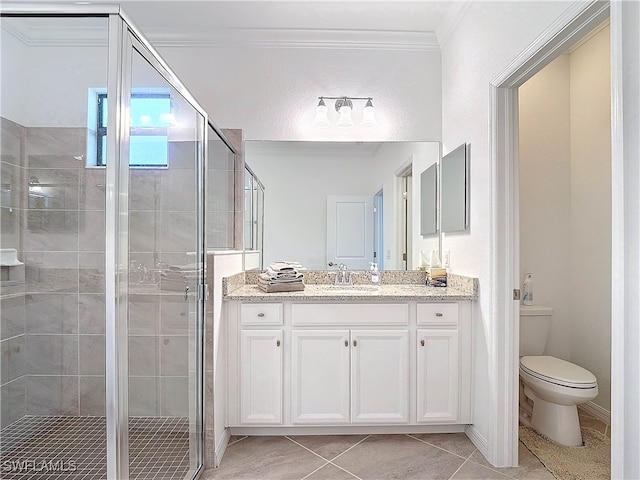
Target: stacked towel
pixel 282 277
pixel 179 277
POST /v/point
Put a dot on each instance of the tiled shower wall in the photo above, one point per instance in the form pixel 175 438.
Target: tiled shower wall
pixel 52 331
pixel 12 303
pixel 53 324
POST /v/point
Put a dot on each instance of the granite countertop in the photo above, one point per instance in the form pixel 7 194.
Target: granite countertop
pixel 396 286
pixel 322 293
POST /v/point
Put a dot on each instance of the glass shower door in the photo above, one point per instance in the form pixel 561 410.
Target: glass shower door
pixel 165 270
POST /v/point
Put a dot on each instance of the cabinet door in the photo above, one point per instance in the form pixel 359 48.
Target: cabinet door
pixel 261 376
pixel 320 371
pixel 379 376
pixel 438 376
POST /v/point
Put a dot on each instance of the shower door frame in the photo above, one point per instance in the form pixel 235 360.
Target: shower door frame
pixel 124 42
pixel 125 38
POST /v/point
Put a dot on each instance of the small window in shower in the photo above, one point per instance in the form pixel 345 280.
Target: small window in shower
pixel 151 118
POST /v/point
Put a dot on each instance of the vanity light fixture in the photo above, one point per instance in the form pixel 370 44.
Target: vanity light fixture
pixel 344 107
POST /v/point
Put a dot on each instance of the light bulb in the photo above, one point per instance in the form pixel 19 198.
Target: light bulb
pixel 322 115
pixel 369 115
pixel 344 111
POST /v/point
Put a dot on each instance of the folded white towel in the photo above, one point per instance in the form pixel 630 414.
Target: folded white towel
pixel 284 266
pixel 282 273
pixel 268 280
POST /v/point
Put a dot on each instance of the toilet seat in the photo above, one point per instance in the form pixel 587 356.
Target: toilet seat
pixel 559 372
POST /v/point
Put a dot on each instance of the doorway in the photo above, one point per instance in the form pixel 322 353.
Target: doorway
pixel 564 192
pixel 504 159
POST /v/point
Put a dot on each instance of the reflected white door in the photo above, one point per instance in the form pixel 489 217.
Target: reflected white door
pixel 350 230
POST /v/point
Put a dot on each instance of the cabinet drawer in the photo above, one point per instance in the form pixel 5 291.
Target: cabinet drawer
pixel 350 314
pixel 261 314
pixel 437 314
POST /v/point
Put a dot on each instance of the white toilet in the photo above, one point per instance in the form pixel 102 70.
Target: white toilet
pixel 554 386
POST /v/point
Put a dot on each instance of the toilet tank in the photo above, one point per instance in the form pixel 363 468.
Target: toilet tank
pixel 535 322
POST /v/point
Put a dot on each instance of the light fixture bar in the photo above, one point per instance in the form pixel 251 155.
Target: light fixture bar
pixel 344 107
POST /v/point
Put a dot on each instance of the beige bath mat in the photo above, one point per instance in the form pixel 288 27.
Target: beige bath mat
pixel 589 462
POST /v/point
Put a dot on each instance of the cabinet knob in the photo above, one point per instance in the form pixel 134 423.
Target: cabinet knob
pixel 438 314
pixel 277 343
pixel 422 342
pixel 355 343
pixel 261 314
pixel 346 343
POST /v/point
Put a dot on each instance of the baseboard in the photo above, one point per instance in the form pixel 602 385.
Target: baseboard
pixel 346 430
pixel 478 440
pixel 596 411
pixel 221 447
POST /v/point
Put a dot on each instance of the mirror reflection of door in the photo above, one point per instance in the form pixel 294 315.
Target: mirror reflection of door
pixel 405 221
pixel 378 229
pixel 350 230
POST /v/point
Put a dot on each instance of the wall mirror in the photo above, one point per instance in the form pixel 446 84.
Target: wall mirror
pixel 454 197
pixel 374 186
pixel 253 221
pixel 429 201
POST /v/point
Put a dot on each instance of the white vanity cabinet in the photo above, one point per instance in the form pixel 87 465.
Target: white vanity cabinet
pixel 380 376
pixel 438 376
pixel 350 376
pixel 261 377
pixel 300 365
pixel 320 376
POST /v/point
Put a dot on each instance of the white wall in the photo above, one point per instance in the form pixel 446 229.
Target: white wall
pixel 11 75
pixel 565 203
pixel 37 75
pixel 224 264
pixel 487 39
pixel 297 185
pixel 545 196
pixel 272 93
pixel 591 211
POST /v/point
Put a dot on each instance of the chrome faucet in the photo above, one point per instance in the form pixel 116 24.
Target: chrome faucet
pixel 342 276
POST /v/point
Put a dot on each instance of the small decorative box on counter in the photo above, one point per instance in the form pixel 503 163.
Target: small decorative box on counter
pixel 436 277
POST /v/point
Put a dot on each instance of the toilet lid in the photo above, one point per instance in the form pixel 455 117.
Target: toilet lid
pixel 554 370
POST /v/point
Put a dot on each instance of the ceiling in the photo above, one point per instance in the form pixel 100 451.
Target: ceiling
pixel 189 22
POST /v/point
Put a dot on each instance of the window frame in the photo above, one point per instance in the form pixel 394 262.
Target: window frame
pixel 101 129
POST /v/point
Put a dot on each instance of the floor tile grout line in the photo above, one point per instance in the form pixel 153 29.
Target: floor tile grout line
pixel 352 446
pixel 491 467
pixel 458 469
pixel 307 449
pixel 314 471
pixel 344 470
pixel 237 441
pixel 468 459
pixel 439 448
pixel 330 462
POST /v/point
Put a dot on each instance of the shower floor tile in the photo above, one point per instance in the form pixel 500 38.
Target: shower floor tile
pixel 75 447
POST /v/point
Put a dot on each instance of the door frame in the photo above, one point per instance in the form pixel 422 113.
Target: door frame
pixel 503 348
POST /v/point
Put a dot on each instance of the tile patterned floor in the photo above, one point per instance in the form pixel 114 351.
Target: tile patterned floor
pixel 56 448
pixel 449 456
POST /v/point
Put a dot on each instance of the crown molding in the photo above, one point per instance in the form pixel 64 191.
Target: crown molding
pixel 451 23
pixel 360 39
pixel 57 36
pixel 298 38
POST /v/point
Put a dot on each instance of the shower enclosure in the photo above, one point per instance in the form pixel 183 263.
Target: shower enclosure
pixel 103 175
